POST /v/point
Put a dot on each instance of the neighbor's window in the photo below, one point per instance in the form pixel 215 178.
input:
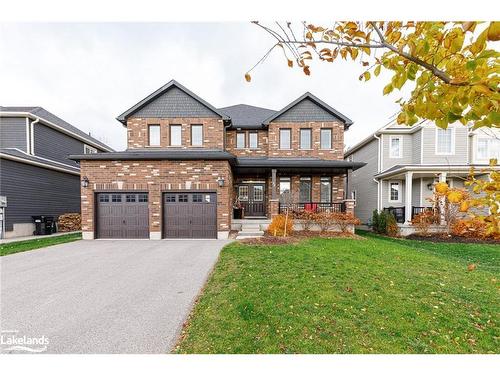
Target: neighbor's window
pixel 488 148
pixel 284 183
pixel 175 135
pixel 395 147
pixel 305 139
pixel 285 139
pixel 196 135
pixel 444 141
pixel 89 149
pixel 154 135
pixel 326 189
pixel 305 189
pixel 253 139
pixel 240 140
pixel 326 139
pixel 394 188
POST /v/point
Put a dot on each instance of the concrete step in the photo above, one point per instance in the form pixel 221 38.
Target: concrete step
pixel 240 237
pixel 250 227
pixel 251 233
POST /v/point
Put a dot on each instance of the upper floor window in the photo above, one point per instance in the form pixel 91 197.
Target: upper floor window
pixel 196 135
pixel 326 189
pixel 488 148
pixel 396 147
pixel 326 139
pixel 154 135
pixel 305 139
pixel 89 149
pixel 240 140
pixel 253 139
pixel 175 135
pixel 394 191
pixel 444 141
pixel 285 139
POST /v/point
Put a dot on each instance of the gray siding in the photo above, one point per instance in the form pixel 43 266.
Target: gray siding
pixel 417 147
pixel 32 190
pixel 429 143
pixel 415 192
pixel 361 180
pixel 175 103
pixel 304 111
pixel 13 132
pixel 407 154
pixel 54 145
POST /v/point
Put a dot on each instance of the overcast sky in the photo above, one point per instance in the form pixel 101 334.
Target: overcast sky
pixel 88 74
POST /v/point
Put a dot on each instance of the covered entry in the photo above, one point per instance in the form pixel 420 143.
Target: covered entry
pixel 190 215
pixel 122 215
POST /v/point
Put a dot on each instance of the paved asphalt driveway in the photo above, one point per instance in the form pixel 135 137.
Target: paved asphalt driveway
pixel 106 296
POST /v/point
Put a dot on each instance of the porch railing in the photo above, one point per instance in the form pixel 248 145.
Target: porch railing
pixel 398 212
pixel 312 207
pixel 416 210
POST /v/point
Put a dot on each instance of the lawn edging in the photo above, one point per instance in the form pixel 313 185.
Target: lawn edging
pixel 37 243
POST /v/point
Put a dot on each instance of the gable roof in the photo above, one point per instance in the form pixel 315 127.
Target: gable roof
pixel 247 116
pixel 52 120
pixel 162 90
pixel 308 96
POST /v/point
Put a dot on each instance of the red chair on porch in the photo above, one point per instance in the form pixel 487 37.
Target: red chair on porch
pixel 311 207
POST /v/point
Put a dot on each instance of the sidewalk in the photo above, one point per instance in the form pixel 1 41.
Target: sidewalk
pixel 26 238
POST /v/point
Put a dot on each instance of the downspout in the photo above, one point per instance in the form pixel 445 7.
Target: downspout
pixel 32 136
pixel 378 170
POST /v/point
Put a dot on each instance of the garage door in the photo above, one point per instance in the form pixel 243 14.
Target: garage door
pixel 190 215
pixel 122 215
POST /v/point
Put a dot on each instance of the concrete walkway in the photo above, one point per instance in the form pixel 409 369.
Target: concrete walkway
pixel 104 296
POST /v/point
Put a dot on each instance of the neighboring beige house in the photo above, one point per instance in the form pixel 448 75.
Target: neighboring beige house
pixel 403 163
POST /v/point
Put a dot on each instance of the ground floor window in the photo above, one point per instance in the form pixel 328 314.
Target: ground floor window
pixel 305 188
pixel 326 189
pixel 284 183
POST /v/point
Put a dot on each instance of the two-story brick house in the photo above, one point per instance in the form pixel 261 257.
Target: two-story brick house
pixel 188 164
pixel 404 163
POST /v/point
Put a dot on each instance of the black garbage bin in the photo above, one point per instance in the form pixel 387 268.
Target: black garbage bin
pixel 44 225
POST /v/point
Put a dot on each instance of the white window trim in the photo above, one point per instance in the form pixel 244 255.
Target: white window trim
pixel 87 148
pixel 452 141
pixel 244 140
pixel 310 138
pixel 149 135
pixel 250 143
pixel 170 143
pixel 331 139
pixel 477 159
pixel 400 154
pixel 399 191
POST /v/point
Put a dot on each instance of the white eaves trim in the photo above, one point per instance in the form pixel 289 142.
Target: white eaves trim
pixel 434 169
pixel 39 164
pixel 55 126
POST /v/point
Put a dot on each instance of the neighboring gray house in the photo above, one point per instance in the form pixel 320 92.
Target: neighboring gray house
pixel 36 175
pixel 403 163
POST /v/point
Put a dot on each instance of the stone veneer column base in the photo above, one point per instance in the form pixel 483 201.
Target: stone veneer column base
pixel 155 235
pixel 222 235
pixel 88 235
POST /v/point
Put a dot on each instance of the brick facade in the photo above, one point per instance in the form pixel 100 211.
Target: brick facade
pixel 155 177
pixel 335 153
pixel 260 151
pixel 137 132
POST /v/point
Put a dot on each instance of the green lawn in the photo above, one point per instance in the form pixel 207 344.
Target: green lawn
pixel 16 247
pixel 349 296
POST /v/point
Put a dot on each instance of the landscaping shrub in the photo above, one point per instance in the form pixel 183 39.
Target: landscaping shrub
pixel 423 221
pixel 308 219
pixel 472 228
pixel 382 223
pixel 392 228
pixel 324 220
pixel 277 226
pixel 344 220
pixel 374 223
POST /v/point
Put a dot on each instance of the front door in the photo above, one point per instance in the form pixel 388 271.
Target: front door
pixel 251 197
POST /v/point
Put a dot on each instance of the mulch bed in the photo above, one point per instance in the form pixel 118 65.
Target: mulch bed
pixel 296 237
pixel 450 239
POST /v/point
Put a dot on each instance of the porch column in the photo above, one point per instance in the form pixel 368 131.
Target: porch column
pixel 273 184
pixel 442 219
pixel 408 194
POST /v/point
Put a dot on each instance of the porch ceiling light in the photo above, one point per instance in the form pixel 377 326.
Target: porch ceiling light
pixel 221 181
pixel 85 182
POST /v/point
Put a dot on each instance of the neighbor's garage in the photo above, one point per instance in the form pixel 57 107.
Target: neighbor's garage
pixel 190 215
pixel 122 215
